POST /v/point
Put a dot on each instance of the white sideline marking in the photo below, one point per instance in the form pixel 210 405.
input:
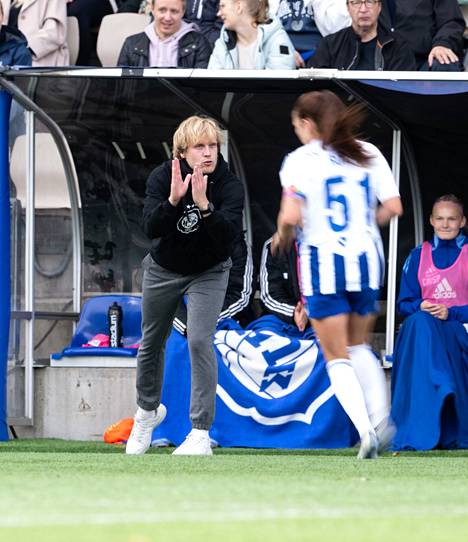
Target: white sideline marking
pixel 124 517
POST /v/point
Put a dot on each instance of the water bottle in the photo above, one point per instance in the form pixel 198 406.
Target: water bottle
pixel 115 325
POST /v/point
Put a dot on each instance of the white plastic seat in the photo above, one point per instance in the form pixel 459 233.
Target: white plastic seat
pixel 114 29
pixel 73 39
pixel 51 189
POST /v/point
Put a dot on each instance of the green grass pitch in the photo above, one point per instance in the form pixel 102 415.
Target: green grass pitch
pixel 72 491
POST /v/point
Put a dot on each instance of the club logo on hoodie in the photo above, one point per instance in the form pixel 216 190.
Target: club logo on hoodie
pixel 190 220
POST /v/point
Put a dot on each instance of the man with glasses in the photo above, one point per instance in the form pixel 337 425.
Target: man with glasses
pixel 362 46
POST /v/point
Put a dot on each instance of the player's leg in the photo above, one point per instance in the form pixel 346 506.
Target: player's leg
pixel 370 374
pixel 332 332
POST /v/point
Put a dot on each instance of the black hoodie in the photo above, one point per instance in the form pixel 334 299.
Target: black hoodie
pixel 183 241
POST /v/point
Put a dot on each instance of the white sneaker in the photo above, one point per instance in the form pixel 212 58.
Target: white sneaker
pixel 140 438
pixel 369 446
pixel 197 442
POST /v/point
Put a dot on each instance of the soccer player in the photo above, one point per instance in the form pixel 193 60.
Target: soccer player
pixel 331 185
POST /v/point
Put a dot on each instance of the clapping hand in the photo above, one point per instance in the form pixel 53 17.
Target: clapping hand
pixel 178 186
pixel 199 184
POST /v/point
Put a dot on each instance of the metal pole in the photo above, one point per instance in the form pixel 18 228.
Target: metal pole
pixel 72 181
pixel 392 252
pixel 29 267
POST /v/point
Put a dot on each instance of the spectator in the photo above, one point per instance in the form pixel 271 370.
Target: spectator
pixel 306 21
pixel 168 42
pixel 13 46
pixel 432 29
pixel 201 12
pixel 205 14
pixel 362 46
pixel 44 24
pixel 279 287
pixel 249 39
pixel 238 292
pixel 430 368
pixel 89 14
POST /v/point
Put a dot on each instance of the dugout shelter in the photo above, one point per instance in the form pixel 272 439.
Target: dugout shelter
pixel 75 235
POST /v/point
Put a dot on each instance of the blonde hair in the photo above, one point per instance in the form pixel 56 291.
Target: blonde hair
pixel 192 130
pixel 258 9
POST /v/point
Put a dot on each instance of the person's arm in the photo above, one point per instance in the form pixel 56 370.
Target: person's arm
pixel 295 179
pixel 410 296
pixel 280 53
pixel 124 59
pixel 203 52
pixel 450 26
pixel 239 288
pixel 401 57
pixel 218 56
pixel 22 56
pixel 388 209
pixel 275 292
pixel 330 15
pixel 289 218
pixel 224 224
pixel 386 190
pixel 459 314
pixel 164 191
pixel 52 32
pixel 322 57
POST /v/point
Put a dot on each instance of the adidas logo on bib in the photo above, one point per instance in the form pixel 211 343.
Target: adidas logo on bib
pixel 444 290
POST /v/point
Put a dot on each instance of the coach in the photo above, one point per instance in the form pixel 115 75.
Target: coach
pixel 192 213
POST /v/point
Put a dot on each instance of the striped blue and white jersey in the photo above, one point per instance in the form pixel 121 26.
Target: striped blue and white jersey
pixel 340 245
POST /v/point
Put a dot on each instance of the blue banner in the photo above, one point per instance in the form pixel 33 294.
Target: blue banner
pixel 273 391
pixel 5 102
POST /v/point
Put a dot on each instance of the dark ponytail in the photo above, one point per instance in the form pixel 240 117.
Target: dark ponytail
pixel 335 122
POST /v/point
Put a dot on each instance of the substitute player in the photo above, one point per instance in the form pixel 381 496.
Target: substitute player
pixel 330 188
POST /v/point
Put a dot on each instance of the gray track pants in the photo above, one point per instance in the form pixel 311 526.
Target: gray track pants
pixel 162 291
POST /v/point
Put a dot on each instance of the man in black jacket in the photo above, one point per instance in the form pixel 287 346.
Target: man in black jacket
pixel 362 46
pixel 168 42
pixel 193 214
pixel 433 30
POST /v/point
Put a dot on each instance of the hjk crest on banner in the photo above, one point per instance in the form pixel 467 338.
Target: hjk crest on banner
pixel 267 364
pixel 273 390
